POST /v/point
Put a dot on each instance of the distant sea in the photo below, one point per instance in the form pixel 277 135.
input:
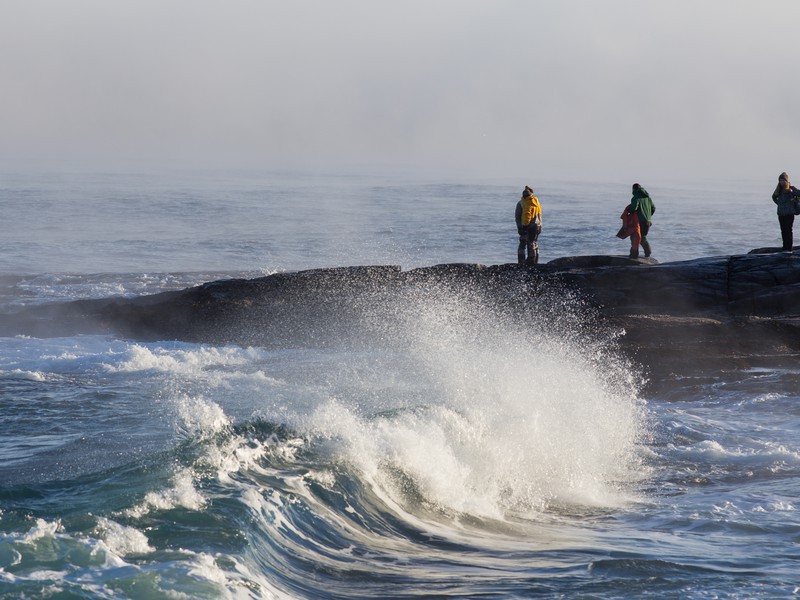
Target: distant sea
pixel 514 464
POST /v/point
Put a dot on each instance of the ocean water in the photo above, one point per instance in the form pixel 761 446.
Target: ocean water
pixel 474 458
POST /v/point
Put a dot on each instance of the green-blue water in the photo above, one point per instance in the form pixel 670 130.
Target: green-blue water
pixel 477 458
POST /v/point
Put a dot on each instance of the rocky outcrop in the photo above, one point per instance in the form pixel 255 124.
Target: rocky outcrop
pixel 726 311
pixel 721 312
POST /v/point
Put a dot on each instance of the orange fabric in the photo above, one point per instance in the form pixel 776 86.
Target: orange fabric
pixel 630 225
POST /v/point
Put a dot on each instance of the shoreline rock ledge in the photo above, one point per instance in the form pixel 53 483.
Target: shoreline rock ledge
pixel 679 317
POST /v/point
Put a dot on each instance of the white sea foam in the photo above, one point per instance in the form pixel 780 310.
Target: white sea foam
pixel 41 529
pixel 200 417
pixel 188 361
pixel 182 493
pixel 104 548
pixel 768 397
pixel 768 454
pixel 227 458
pixel 121 539
pixel 206 568
pixel 517 420
pixel 49 575
pixel 727 509
pixel 24 375
pixel 238 582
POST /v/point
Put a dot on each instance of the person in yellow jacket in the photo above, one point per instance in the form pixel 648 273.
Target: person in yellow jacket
pixel 529 225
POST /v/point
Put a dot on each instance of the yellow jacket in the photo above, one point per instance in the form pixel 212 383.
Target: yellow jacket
pixel 531 210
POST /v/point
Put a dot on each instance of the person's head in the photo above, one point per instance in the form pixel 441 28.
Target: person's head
pixel 783 180
pixel 636 186
pixel 528 191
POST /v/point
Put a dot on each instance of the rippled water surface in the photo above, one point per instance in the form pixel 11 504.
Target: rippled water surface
pixel 472 456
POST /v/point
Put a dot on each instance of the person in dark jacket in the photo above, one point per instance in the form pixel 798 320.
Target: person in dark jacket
pixel 642 204
pixel 528 216
pixel 784 196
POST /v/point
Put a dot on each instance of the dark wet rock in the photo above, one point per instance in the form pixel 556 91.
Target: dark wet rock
pixel 769 250
pixel 718 311
pixel 602 260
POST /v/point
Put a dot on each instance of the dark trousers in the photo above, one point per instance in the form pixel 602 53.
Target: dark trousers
pixel 786 222
pixel 529 241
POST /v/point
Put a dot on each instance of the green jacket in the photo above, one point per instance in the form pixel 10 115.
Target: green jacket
pixel 643 204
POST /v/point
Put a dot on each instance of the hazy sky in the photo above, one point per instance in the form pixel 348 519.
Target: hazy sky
pixel 561 88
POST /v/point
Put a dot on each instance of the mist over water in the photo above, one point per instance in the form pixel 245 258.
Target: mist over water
pixel 231 222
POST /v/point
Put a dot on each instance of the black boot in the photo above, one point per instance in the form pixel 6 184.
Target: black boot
pixel 634 254
pixel 647 250
pixel 520 259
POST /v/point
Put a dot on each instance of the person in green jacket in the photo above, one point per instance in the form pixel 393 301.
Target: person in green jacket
pixel 642 204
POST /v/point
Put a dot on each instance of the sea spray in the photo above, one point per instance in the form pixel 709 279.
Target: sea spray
pixel 452 412
pixel 304 519
pixel 514 412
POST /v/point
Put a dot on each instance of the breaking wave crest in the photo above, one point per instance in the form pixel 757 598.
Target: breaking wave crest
pixel 462 429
